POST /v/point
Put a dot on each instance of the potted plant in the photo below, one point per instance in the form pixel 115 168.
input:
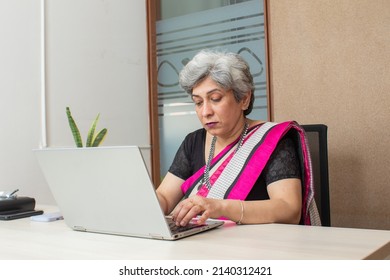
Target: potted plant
pixel 93 139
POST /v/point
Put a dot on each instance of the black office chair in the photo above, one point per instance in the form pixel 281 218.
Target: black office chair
pixel 318 145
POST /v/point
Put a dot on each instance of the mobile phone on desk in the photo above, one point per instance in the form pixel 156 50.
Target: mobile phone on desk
pixel 48 217
pixel 12 215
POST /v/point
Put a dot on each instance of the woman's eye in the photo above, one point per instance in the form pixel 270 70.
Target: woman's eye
pixel 216 99
pixel 198 103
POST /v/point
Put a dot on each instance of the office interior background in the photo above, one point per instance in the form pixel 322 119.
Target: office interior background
pixel 329 63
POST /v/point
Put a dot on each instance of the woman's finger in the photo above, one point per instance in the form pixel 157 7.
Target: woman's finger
pixel 185 211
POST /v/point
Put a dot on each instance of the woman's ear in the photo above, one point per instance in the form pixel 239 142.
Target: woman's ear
pixel 246 101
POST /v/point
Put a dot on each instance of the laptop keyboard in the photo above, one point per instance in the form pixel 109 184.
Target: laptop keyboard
pixel 176 229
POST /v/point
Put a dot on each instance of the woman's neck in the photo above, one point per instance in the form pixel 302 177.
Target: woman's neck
pixel 223 141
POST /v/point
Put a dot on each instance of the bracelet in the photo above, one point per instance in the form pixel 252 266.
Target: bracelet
pixel 242 213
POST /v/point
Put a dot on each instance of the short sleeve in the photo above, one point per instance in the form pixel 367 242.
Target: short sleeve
pixel 181 166
pixel 283 163
pixel 190 155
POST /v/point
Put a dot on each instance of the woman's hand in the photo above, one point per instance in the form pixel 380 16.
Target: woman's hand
pixel 196 205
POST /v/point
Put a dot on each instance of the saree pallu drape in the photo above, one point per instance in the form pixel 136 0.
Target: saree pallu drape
pixel 234 173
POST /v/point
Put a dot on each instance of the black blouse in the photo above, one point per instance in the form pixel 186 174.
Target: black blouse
pixel 283 163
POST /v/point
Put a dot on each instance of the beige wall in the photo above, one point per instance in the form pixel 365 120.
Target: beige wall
pixel 330 63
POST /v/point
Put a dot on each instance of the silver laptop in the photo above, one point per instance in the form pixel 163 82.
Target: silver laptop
pixel 108 190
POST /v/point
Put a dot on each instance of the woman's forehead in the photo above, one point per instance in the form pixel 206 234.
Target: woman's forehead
pixel 207 86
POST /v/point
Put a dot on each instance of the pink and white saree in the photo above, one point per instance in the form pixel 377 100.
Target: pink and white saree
pixel 233 173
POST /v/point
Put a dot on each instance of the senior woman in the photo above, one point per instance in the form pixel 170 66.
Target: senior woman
pixel 248 171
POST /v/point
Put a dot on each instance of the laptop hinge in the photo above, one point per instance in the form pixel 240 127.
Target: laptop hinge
pixel 79 228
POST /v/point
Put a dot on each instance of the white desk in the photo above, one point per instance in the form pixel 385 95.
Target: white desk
pixel 25 239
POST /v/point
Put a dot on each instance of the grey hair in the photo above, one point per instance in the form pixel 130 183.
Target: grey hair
pixel 229 70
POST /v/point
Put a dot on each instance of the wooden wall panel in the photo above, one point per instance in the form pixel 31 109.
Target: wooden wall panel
pixel 329 63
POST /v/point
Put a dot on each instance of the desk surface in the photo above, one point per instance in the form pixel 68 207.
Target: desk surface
pixel 26 239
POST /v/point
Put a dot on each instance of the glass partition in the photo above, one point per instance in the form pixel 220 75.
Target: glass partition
pixel 186 27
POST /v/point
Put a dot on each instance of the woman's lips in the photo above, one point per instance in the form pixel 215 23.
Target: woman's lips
pixel 211 124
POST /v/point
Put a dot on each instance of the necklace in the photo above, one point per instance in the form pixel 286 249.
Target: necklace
pixel 206 175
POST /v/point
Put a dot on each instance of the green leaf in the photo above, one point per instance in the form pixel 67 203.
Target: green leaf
pixel 99 137
pixel 91 132
pixel 75 130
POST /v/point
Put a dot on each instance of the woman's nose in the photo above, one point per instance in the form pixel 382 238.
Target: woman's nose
pixel 206 110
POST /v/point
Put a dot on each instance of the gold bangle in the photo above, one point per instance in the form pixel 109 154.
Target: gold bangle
pixel 242 213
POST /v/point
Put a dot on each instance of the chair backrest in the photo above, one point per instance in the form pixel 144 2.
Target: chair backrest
pixel 317 135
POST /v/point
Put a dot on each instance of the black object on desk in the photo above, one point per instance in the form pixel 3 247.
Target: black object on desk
pixel 12 215
pixel 14 207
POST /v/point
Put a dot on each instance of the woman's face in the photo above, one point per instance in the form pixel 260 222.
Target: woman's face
pixel 217 109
